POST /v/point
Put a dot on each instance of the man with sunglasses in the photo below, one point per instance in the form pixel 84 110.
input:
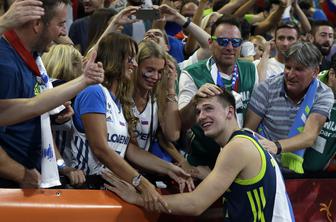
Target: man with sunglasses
pixel 223 69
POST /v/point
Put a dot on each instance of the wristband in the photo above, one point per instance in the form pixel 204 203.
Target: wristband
pixel 187 23
pixel 279 147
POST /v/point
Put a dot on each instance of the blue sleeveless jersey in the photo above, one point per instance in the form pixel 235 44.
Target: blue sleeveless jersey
pixel 262 198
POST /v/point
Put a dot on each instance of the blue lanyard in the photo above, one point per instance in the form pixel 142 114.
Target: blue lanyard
pixel 235 79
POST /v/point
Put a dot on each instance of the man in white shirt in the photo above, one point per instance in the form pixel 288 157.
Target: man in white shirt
pixel 286 34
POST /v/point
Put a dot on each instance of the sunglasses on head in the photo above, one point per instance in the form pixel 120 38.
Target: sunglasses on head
pixel 236 42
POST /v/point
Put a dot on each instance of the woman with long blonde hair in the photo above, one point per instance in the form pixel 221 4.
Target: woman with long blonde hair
pixel 154 95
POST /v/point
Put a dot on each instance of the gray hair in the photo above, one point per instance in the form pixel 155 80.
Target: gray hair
pixel 304 53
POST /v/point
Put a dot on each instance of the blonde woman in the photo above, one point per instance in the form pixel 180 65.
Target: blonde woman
pixel 259 43
pixel 63 62
pixel 152 99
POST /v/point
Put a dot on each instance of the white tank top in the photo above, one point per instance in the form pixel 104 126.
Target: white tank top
pixel 143 126
pixel 117 138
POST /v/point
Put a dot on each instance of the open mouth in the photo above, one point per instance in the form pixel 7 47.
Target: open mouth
pixel 205 125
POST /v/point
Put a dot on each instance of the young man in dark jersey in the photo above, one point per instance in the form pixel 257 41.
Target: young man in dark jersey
pixel 244 172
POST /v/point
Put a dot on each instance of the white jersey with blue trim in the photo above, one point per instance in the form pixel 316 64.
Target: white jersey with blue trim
pixel 143 126
pixel 117 138
pixel 62 136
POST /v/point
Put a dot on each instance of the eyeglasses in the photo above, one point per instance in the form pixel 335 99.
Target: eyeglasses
pixel 236 42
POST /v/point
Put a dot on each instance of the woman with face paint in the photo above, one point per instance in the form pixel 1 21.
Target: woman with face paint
pixel 154 94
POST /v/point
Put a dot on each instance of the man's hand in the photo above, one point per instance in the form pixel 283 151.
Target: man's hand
pixel 181 177
pixel 151 198
pixel 20 12
pixel 208 90
pixel 31 179
pixel 93 72
pixel 75 176
pixel 268 145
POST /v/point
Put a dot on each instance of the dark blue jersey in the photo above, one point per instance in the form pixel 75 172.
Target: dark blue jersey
pixel 261 198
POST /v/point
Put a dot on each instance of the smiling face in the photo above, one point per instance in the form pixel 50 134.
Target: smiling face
pixel 150 72
pixel 49 32
pixel 259 48
pixel 225 56
pixel 157 36
pixel 211 116
pixel 298 78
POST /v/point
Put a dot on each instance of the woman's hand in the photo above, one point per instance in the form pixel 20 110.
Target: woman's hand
pixel 123 189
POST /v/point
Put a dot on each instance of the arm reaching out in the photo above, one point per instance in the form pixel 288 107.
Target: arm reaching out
pixel 18 110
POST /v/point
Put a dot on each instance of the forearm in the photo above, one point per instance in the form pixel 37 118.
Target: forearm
pixel 261 67
pixel 230 7
pixel 308 136
pixel 170 149
pixel 171 124
pixel 190 46
pixel 173 152
pixel 30 108
pixel 116 164
pixel 241 11
pixel 178 204
pixel 300 141
pixel 146 160
pixel 272 19
pixel 305 24
pixel 188 113
pixel 54 97
pixel 195 31
pixel 10 169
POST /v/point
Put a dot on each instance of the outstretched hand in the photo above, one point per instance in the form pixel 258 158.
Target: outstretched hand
pixel 182 178
pixel 148 197
pixel 20 12
pixel 168 13
pixel 123 189
pixel 93 72
pixel 123 18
